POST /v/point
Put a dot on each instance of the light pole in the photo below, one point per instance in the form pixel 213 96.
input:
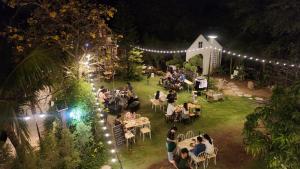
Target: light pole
pixel 211 38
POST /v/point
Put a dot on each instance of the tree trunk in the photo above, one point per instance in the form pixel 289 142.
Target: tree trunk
pixel 33 111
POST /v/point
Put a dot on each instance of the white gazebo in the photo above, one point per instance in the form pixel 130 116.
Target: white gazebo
pixel 206 47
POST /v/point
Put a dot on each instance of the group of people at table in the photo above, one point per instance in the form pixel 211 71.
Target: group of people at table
pixel 106 95
pixel 179 112
pixel 173 79
pixel 182 159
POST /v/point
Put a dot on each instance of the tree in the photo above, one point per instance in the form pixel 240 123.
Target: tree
pixel 70 157
pixel 24 78
pixel 76 27
pixel 124 25
pixel 269 23
pixel 194 62
pixel 6 156
pixel 132 64
pixel 177 61
pixel 272 132
pixel 49 154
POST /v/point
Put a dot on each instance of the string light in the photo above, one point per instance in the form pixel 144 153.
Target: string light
pixel 42 115
pixel 102 121
pixel 27 118
pixel 215 48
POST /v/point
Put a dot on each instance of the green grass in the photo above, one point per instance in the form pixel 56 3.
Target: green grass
pixel 217 118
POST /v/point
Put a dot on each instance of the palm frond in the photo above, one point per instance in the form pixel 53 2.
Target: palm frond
pixel 32 71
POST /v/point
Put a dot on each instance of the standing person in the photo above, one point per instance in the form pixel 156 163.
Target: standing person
pixel 171 144
pixel 171 97
pixel 183 162
pixel 208 144
pixel 148 77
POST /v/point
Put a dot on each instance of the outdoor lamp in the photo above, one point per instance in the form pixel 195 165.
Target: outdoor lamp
pixel 212 36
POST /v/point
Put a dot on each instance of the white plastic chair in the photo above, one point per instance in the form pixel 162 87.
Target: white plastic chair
pixel 180 137
pixel 145 130
pixel 189 134
pixel 212 156
pixel 129 135
pixel 198 159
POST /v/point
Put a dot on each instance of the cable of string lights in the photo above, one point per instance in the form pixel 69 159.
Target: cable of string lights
pixel 274 62
pixel 107 135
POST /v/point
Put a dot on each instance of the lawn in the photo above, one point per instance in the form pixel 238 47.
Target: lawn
pixel 222 120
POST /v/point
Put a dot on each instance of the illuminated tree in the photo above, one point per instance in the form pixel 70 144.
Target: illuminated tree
pixel 76 27
pixel 272 132
pixel 72 27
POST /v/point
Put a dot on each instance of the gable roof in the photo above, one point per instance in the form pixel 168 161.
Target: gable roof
pixel 205 41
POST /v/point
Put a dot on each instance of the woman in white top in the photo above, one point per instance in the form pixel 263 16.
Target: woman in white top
pixel 170 109
pixel 185 111
pixel 209 146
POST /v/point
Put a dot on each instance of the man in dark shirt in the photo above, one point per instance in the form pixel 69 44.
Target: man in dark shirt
pixel 183 161
pixel 199 148
pixel 171 96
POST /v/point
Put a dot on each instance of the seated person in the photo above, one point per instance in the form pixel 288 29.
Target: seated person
pixel 199 147
pixel 170 109
pixel 118 120
pixel 183 161
pixel 185 112
pixel 102 97
pixel 159 96
pixel 208 144
pixel 181 77
pixel 130 115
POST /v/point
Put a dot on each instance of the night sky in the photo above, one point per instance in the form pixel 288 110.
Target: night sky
pixel 176 23
pixel 255 27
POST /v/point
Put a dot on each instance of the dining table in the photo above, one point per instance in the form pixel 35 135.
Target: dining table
pixel 191 106
pixel 187 143
pixel 137 122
